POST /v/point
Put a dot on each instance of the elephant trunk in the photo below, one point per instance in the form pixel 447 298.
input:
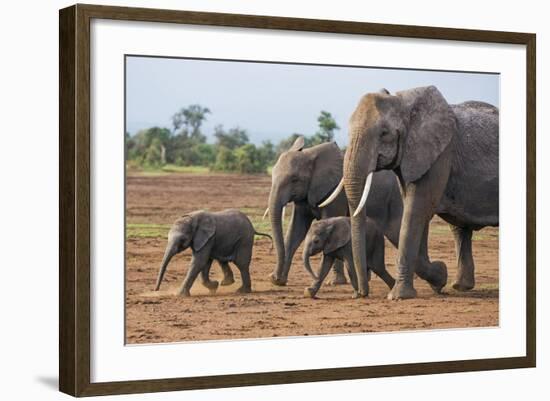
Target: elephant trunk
pixel 355 181
pixel 168 254
pixel 307 265
pixel 276 218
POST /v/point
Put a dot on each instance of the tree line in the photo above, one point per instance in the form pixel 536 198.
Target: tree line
pixel 186 145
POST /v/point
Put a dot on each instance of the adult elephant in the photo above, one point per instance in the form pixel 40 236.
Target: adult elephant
pixel 446 159
pixel 306 177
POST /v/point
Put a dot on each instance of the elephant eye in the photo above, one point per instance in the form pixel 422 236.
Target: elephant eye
pixel 385 132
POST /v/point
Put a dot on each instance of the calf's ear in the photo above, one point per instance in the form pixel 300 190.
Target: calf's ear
pixel 205 228
pixel 339 236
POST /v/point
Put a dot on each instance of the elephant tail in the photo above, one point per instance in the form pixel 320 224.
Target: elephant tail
pixel 265 235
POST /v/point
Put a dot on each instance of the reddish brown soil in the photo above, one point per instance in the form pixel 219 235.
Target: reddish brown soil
pixel 269 311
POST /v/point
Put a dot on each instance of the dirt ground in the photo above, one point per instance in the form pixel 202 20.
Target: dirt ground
pixel 154 201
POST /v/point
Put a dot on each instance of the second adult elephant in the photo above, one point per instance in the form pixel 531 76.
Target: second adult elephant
pixel 306 177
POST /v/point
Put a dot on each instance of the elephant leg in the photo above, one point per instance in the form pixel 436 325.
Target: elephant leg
pixel 420 200
pixel 243 264
pixel 212 285
pixel 198 263
pixel 339 277
pixel 348 258
pixel 326 263
pixel 228 278
pixel 435 273
pixel 297 230
pixel 465 278
pixel 376 253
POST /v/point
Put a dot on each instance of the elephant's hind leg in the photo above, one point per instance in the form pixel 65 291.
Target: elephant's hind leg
pixel 228 278
pixel 465 277
pixel 212 285
pixel 339 277
pixel 243 264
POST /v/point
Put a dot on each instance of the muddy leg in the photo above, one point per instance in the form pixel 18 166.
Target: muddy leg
pixel 326 262
pixel 465 277
pixel 212 285
pixel 228 278
pixel 243 264
pixel 339 277
pixel 197 264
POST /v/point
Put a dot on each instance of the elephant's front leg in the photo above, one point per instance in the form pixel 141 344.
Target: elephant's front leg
pixel 198 263
pixel 412 230
pixel 212 285
pixel 326 263
pixel 465 278
pixel 435 273
pixel 420 200
pixel 297 230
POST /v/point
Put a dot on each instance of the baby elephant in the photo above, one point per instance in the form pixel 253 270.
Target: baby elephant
pixel 226 236
pixel 333 237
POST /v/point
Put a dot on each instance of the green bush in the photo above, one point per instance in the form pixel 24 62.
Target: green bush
pixel 249 160
pixel 225 160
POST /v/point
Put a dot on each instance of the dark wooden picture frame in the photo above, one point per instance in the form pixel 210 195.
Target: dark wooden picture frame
pixel 74 199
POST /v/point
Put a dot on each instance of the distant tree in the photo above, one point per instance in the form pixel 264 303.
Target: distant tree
pixel 154 154
pixel 144 146
pixel 267 152
pixel 187 122
pixel 232 139
pixel 130 144
pixel 327 126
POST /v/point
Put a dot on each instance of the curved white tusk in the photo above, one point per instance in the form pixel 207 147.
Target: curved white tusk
pixel 334 194
pixel 265 213
pixel 366 190
pixel 283 214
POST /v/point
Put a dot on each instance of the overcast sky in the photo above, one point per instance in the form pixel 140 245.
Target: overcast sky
pixel 272 101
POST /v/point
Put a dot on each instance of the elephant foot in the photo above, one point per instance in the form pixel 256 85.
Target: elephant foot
pixel 463 285
pixel 310 292
pixel 227 281
pixel 438 278
pixel 244 290
pixel 277 281
pixel 211 285
pixel 184 293
pixel 358 295
pixel 402 291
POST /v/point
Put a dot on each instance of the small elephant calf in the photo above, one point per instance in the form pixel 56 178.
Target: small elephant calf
pixel 333 237
pixel 226 236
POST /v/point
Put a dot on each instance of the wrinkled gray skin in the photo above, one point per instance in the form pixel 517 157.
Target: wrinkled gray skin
pixel 226 236
pixel 308 176
pixel 332 236
pixel 446 159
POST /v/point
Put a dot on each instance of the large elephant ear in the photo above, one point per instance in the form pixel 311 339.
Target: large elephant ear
pixel 340 235
pixel 431 127
pixel 326 171
pixel 204 230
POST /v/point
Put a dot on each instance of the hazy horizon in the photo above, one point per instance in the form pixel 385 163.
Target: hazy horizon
pixel 271 101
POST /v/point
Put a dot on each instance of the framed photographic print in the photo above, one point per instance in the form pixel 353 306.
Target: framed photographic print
pixel 280 200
